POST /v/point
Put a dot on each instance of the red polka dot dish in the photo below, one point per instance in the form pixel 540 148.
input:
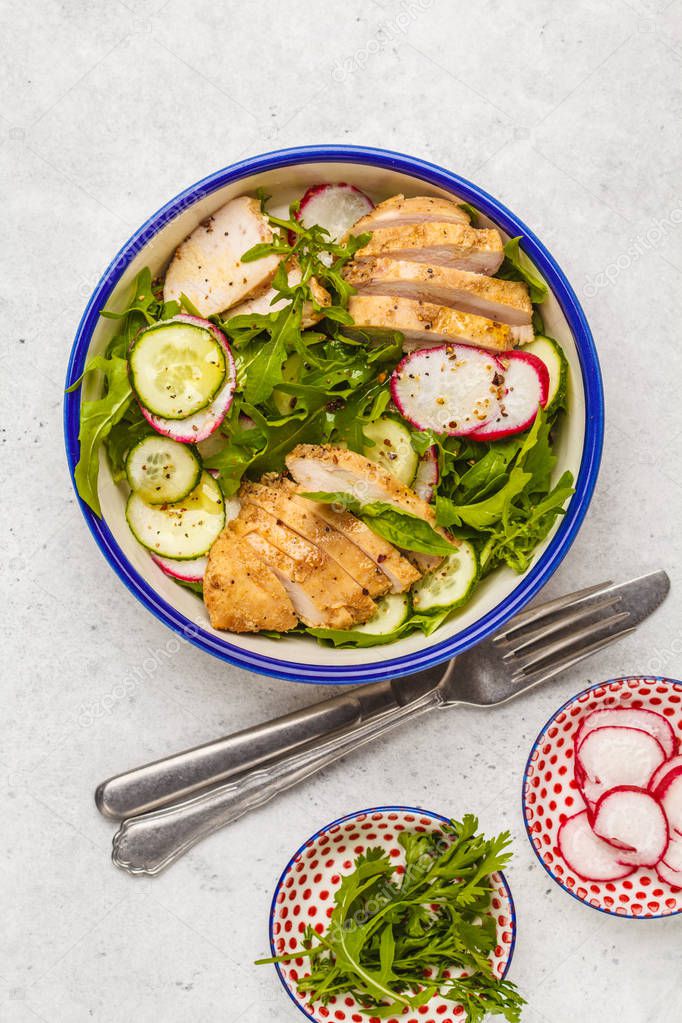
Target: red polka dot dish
pixel 602 797
pixel 305 896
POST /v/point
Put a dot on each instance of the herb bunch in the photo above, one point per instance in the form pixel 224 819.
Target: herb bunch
pixel 395 943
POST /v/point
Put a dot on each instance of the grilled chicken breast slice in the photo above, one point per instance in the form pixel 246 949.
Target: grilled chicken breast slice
pixel 424 324
pixel 439 244
pixel 504 301
pixel 399 572
pixel 276 497
pixel 263 303
pixel 398 211
pixel 207 266
pixel 322 593
pixel 322 467
pixel 241 593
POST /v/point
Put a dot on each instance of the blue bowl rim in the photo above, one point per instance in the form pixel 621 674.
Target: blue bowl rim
pixel 565 706
pixel 530 583
pixel 341 820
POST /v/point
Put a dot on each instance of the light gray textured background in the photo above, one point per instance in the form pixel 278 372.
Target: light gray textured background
pixel 570 113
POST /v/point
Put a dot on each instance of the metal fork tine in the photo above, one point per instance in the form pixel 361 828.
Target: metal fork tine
pixel 565 643
pixel 535 614
pixel 545 674
pixel 563 622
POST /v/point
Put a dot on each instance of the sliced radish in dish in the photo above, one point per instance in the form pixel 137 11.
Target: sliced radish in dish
pixel 202 424
pixel 190 571
pixel 611 757
pixel 630 717
pixel 667 874
pixel 587 855
pixel 664 770
pixel 669 791
pixel 451 389
pixel 334 207
pixel 633 821
pixel 428 475
pixel 526 387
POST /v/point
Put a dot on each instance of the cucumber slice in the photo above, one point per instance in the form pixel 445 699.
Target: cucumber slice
pixel 547 349
pixel 392 448
pixel 392 612
pixel 162 471
pixel 182 530
pixel 449 585
pixel 291 373
pixel 176 368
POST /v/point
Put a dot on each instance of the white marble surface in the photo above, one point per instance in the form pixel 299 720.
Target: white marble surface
pixel 570 113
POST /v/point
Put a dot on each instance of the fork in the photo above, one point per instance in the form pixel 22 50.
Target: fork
pixel 534 647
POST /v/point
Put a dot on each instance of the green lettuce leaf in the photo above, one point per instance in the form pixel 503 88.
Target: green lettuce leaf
pixel 96 421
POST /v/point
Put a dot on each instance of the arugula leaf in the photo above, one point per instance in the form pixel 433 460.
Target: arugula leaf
pixel 96 421
pixel 399 527
pixel 383 932
pixel 486 513
pixel 264 370
pixel 123 436
pixel 518 267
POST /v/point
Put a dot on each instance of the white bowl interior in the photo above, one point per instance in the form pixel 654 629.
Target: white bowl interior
pixel 285 185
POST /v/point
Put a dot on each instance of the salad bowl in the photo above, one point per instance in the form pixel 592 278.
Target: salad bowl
pixel 287 174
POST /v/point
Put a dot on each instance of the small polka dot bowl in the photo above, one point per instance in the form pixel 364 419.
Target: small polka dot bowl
pixel 305 896
pixel 551 795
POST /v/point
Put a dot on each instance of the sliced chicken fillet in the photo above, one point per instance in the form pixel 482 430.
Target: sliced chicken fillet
pixel 276 498
pixel 241 593
pixel 263 303
pixel 398 211
pixel 439 244
pixel 504 301
pixel 399 572
pixel 207 266
pixel 322 467
pixel 424 324
pixel 322 593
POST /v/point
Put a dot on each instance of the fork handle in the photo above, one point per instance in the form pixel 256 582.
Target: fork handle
pixel 151 842
pixel 184 774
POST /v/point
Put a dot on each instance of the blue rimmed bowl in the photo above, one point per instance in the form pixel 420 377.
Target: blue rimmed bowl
pixel 286 174
pixel 304 897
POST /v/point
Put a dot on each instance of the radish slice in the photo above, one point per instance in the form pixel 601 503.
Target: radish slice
pixel 611 757
pixel 664 770
pixel 633 821
pixel 526 388
pixel 451 389
pixel 669 791
pixel 586 854
pixel 334 207
pixel 205 422
pixel 667 874
pixel 190 571
pixel 630 717
pixel 426 479
pixel 672 857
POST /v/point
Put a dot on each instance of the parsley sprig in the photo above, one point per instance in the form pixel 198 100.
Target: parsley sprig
pixel 395 942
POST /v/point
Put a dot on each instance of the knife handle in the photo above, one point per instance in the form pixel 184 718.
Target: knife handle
pixel 150 843
pixel 183 774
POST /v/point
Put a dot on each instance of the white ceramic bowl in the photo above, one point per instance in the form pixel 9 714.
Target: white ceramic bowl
pixel 286 175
